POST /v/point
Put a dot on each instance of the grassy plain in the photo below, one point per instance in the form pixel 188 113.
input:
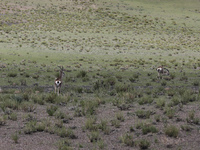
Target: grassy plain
pixel 111 97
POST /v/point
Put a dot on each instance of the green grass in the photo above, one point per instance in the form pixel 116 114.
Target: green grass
pixel 36 51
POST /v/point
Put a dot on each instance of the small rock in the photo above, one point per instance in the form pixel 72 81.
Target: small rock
pixel 65 120
pixel 169 146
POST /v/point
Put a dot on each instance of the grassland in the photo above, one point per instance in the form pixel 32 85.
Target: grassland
pixel 111 97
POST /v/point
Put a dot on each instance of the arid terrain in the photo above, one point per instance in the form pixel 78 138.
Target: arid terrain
pixel 111 96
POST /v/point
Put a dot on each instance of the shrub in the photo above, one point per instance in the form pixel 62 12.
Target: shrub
pixel 79 89
pixel 110 81
pixel 30 127
pixel 160 103
pixel 188 96
pixel 148 84
pixel 119 116
pixel 186 128
pixel 115 123
pixel 51 98
pixel 123 106
pixel 172 131
pixel 101 144
pixel 13 104
pixel 143 114
pixel 13 116
pixel 59 123
pixel 175 100
pixel 40 126
pixel 17 97
pixel 171 92
pixel 132 79
pixel 82 74
pixel 148 128
pixel 78 112
pixel 85 79
pixel 122 88
pixel 60 115
pixel 28 106
pixel 98 84
pixel 104 127
pixel 23 82
pixel 12 74
pixel 132 129
pixel 15 137
pixel 157 118
pixel 2 120
pixel 172 75
pixel 39 99
pixel 127 140
pixel 64 145
pixel 51 110
pixel 136 75
pixel 62 132
pixel 89 107
pixel 163 83
pixel 139 125
pixel 70 134
pixel 184 78
pixel 144 144
pixel 130 97
pixel 191 118
pixel 169 112
pixel 94 136
pixel 35 76
pixel 90 124
pixel 145 100
pixel 195 83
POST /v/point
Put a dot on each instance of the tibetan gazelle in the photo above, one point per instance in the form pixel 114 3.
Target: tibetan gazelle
pixel 162 71
pixel 58 81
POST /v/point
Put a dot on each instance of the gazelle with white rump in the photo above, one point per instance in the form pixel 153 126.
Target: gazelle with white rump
pixel 58 81
pixel 162 71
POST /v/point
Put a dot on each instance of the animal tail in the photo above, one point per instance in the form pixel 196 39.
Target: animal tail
pixel 165 69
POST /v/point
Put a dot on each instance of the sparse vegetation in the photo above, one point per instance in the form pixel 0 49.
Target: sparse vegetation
pixel 15 137
pixel 172 131
pixel 127 140
pixel 144 144
pixel 111 97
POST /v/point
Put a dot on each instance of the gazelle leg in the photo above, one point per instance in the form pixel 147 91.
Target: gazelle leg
pixel 58 90
pixel 159 76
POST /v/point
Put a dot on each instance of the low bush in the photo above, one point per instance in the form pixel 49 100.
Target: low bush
pixel 30 127
pixel 149 129
pixel 12 74
pixel 127 139
pixel 94 137
pixel 51 110
pixel 143 114
pixel 144 144
pixel 15 137
pixel 172 131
